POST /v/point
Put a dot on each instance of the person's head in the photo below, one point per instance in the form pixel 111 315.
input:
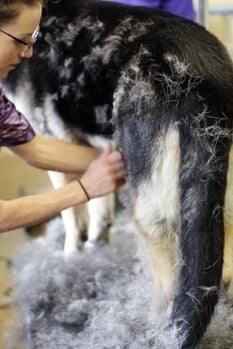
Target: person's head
pixel 19 21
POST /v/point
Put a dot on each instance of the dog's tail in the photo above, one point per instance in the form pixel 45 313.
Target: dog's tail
pixel 204 146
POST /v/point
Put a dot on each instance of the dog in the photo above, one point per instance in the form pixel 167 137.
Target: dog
pixel 161 87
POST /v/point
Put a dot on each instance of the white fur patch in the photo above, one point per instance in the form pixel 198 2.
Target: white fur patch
pixel 157 208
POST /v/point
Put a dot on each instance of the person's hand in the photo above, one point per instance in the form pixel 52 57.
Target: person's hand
pixel 105 174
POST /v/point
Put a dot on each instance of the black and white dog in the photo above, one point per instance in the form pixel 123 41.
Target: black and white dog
pixel 162 88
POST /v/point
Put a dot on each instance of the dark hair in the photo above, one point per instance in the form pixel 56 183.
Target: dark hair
pixel 9 9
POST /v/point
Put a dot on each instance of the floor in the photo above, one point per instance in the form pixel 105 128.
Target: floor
pixel 13 184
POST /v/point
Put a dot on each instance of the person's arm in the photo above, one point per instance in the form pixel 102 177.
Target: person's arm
pixel 52 154
pixel 103 175
pixel 32 209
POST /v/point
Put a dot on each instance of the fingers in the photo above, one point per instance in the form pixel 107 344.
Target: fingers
pixel 117 164
pixel 107 151
pixel 114 156
pixel 111 155
pixel 115 160
pixel 118 170
pixel 105 174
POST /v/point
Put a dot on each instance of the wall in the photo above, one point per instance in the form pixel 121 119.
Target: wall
pixel 218 24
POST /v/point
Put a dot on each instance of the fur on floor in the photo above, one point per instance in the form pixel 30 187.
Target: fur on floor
pixel 98 300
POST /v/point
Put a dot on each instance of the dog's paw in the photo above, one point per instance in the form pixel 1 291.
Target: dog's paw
pixel 90 245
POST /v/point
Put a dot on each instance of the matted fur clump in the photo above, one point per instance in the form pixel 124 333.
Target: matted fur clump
pixel 97 299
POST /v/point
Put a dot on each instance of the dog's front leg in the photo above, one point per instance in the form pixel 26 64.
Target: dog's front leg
pixel 73 227
pixel 99 220
pixel 157 214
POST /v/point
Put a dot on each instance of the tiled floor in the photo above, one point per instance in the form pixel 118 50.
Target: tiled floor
pixel 15 178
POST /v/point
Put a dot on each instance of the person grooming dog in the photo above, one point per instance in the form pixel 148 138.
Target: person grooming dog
pixel 159 86
pixel 102 172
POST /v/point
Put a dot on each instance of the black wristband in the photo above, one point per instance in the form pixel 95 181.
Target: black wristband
pixel 84 190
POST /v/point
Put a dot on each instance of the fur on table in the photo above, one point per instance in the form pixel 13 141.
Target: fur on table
pixel 99 299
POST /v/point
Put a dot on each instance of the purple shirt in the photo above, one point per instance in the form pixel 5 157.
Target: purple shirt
pixel 14 127
pixel 182 8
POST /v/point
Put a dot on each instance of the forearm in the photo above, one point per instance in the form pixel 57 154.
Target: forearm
pixel 102 176
pixel 30 210
pixel 51 154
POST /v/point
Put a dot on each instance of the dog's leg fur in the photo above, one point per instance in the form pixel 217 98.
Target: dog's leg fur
pixel 73 227
pixel 88 222
pixel 99 220
pixel 161 260
pixel 155 219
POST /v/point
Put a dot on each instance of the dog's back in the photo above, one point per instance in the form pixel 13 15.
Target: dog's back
pixel 163 86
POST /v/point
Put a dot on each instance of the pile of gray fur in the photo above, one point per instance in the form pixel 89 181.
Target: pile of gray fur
pixel 100 299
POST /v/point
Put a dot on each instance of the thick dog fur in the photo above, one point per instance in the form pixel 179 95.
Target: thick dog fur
pixel 162 87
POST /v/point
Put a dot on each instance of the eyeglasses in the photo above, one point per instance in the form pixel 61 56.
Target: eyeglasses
pixel 28 45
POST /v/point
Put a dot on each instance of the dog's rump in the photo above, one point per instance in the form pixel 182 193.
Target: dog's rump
pixel 162 87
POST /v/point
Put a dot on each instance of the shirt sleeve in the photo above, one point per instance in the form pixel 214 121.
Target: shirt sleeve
pixel 183 8
pixel 15 129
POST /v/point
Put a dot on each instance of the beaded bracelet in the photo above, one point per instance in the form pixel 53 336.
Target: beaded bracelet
pixel 84 190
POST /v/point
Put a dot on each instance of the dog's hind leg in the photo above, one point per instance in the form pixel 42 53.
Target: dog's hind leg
pixel 156 213
pixel 228 225
pixel 161 258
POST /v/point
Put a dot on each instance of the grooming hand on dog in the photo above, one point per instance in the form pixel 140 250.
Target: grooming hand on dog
pixel 102 172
